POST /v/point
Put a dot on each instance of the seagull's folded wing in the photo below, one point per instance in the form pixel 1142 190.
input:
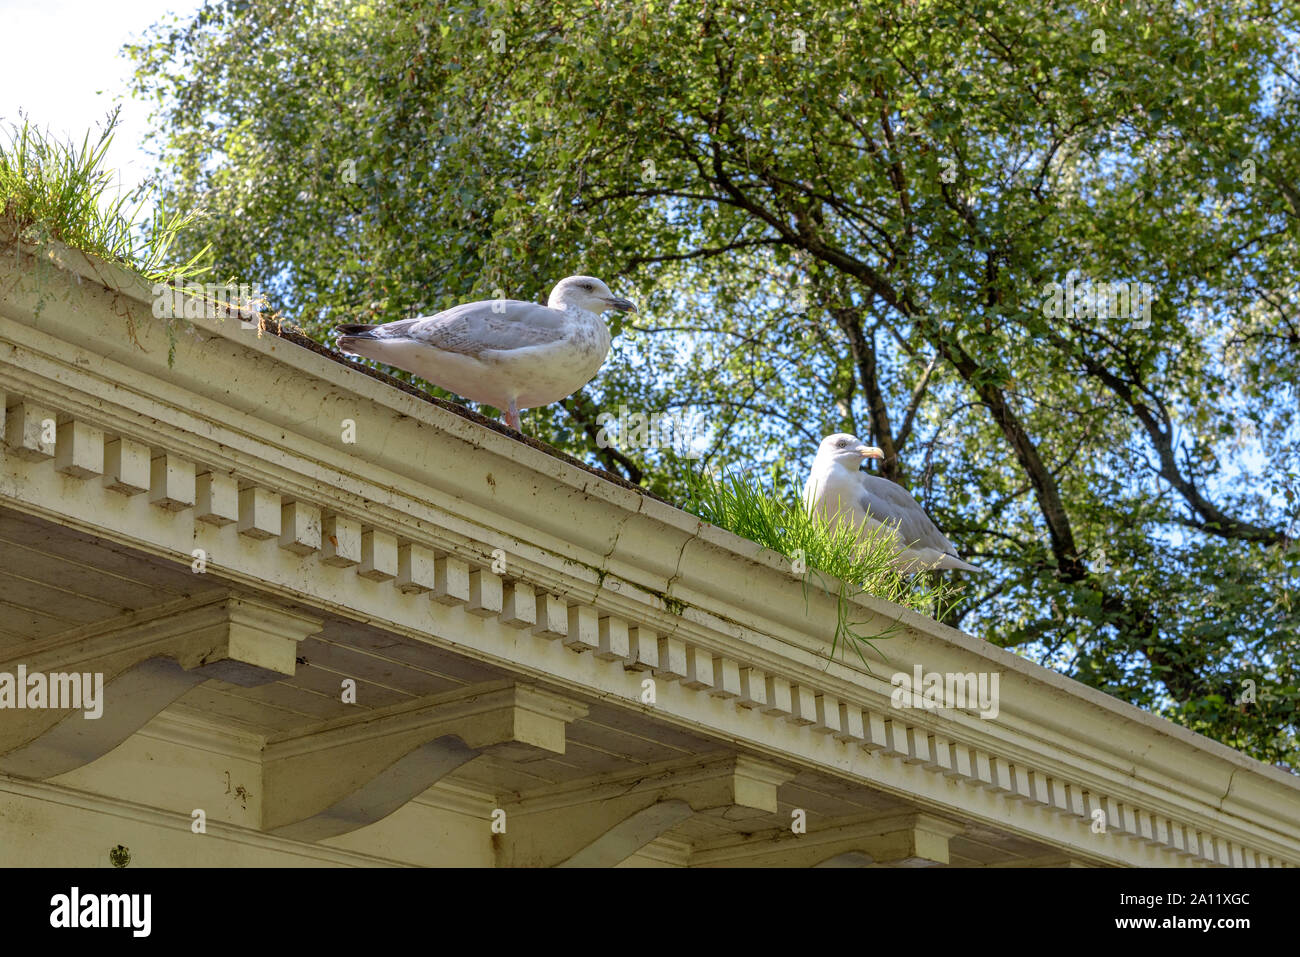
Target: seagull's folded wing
pixel 477 327
pixel 889 502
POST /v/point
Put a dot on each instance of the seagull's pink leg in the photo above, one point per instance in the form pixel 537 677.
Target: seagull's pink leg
pixel 512 416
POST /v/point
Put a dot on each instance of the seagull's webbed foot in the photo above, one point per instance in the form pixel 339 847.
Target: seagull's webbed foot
pixel 512 416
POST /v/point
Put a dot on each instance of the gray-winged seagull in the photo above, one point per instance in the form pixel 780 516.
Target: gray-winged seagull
pixel 841 491
pixel 509 354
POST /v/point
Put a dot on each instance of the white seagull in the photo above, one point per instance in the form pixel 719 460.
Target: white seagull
pixel 840 491
pixel 509 354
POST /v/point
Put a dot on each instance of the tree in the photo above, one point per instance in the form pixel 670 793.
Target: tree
pixel 868 220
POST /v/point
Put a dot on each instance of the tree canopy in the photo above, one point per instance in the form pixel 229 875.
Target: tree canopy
pixel 1044 256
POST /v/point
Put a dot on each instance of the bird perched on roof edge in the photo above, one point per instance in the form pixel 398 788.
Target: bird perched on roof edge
pixel 840 491
pixel 502 352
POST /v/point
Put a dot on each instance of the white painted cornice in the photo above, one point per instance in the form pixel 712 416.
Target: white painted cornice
pixel 628 586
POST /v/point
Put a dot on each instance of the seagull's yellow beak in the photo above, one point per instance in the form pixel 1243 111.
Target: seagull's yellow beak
pixel 869 452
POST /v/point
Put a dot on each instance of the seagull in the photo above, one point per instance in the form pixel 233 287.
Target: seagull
pixel 509 354
pixel 839 490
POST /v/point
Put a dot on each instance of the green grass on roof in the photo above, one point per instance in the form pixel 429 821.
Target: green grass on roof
pixel 831 559
pixel 52 190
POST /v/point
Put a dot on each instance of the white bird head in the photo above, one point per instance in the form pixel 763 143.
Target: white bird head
pixel 587 293
pixel 846 450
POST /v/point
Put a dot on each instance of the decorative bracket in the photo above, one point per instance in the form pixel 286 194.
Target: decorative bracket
pixel 113 676
pixel 893 840
pixel 603 822
pixel 350 772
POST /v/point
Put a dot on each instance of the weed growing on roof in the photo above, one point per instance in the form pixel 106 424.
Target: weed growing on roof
pixel 55 191
pixel 831 559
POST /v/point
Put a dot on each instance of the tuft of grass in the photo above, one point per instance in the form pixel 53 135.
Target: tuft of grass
pixel 833 558
pixel 55 190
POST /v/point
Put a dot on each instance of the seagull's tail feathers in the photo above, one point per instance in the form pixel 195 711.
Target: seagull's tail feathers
pixel 353 336
pixel 952 562
pixel 355 330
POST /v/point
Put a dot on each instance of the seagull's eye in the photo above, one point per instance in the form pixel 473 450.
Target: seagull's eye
pixel 589 287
